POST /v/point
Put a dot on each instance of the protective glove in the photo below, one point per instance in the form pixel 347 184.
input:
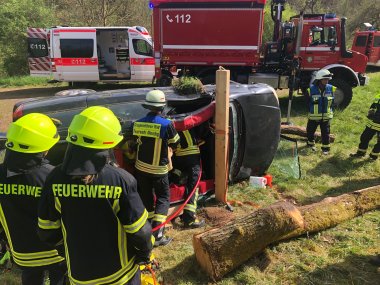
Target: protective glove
pixel 143 257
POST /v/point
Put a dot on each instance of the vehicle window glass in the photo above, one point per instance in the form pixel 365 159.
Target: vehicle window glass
pixel 324 36
pixel 142 47
pixel 376 41
pixel 65 117
pixel 37 47
pixel 77 48
pixel 361 41
pixel 128 112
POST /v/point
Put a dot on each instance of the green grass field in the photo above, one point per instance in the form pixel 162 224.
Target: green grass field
pixel 339 255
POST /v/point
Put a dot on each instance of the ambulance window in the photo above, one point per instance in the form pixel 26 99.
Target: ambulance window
pixel 37 47
pixel 77 48
pixel 142 47
pixel 361 41
pixel 376 42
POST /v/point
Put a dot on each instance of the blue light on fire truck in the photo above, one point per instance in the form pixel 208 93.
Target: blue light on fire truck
pixel 330 16
pixel 151 6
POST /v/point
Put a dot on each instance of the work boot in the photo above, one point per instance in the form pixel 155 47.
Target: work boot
pixel 193 224
pixel 373 157
pixel 357 154
pixel 160 238
pixel 164 240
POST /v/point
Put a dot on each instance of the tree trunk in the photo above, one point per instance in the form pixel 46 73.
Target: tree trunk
pixel 301 132
pixel 220 250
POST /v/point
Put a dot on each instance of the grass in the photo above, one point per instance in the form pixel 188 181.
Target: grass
pixel 339 255
pixel 25 81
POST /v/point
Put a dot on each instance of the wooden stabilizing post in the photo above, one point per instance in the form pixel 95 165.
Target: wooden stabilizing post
pixel 220 250
pixel 221 133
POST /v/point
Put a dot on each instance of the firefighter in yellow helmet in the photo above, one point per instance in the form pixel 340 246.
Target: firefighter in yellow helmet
pixel 95 207
pixel 22 176
pixel 154 135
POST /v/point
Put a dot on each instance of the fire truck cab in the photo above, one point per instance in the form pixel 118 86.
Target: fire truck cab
pixel 368 42
pixel 91 54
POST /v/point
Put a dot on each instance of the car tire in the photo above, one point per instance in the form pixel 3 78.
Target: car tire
pixel 342 94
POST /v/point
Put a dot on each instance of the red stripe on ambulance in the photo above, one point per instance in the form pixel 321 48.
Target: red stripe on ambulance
pixel 75 61
pixel 142 61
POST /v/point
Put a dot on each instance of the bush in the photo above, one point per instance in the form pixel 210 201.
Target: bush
pixel 188 85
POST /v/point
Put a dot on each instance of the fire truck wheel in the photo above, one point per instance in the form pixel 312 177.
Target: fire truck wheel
pixel 342 94
pixel 165 80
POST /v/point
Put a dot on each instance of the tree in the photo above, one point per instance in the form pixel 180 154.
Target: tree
pixel 15 17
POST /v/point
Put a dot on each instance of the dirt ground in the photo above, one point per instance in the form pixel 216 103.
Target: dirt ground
pixel 9 96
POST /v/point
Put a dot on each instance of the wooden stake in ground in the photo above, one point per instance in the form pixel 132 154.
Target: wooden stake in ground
pixel 221 133
pixel 221 250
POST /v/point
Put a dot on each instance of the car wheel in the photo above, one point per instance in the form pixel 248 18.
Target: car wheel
pixel 342 94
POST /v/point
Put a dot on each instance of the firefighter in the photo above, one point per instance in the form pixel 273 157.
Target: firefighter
pixel 22 176
pixel 187 160
pixel 320 101
pixel 372 128
pixel 94 206
pixel 155 135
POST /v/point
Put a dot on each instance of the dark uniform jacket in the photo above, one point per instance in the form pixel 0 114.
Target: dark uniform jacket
pixel 188 143
pixel 373 118
pixel 154 135
pixel 20 190
pixel 99 221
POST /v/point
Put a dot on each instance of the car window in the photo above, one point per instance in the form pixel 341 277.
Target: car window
pixel 142 47
pixel 361 41
pixel 128 112
pixel 65 117
pixel 77 48
pixel 376 42
pixel 37 47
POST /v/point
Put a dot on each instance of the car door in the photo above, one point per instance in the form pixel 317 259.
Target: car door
pixel 75 54
pixel 141 57
pixel 38 52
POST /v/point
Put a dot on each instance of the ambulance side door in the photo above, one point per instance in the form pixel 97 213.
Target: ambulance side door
pixel 141 57
pixel 75 54
pixel 38 52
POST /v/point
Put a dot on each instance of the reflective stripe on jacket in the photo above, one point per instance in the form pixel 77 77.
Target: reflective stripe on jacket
pixel 154 134
pixel 188 144
pixel 99 222
pixel 320 103
pixel 19 196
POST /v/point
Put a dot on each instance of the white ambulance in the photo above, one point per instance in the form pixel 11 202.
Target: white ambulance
pixel 91 54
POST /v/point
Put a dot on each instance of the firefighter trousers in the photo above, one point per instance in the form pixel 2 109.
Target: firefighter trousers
pixel 155 195
pixel 190 166
pixel 36 275
pixel 312 126
pixel 366 137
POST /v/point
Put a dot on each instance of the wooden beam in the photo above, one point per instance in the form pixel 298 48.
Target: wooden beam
pixel 222 249
pixel 221 133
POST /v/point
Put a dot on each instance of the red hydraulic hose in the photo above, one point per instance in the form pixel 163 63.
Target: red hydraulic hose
pixel 183 205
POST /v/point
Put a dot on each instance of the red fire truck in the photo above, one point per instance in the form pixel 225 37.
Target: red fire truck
pixel 196 37
pixel 368 42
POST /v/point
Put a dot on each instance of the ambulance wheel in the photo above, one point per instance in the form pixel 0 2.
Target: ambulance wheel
pixel 165 80
pixel 342 94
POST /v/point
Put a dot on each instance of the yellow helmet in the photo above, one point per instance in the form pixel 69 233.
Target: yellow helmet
pixel 32 133
pixel 95 127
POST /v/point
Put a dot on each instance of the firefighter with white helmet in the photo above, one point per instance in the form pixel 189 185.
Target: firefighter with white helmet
pixel 22 176
pixel 94 206
pixel 320 104
pixel 154 135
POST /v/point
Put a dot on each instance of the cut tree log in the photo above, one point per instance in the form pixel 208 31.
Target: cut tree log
pixel 220 250
pixel 301 132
